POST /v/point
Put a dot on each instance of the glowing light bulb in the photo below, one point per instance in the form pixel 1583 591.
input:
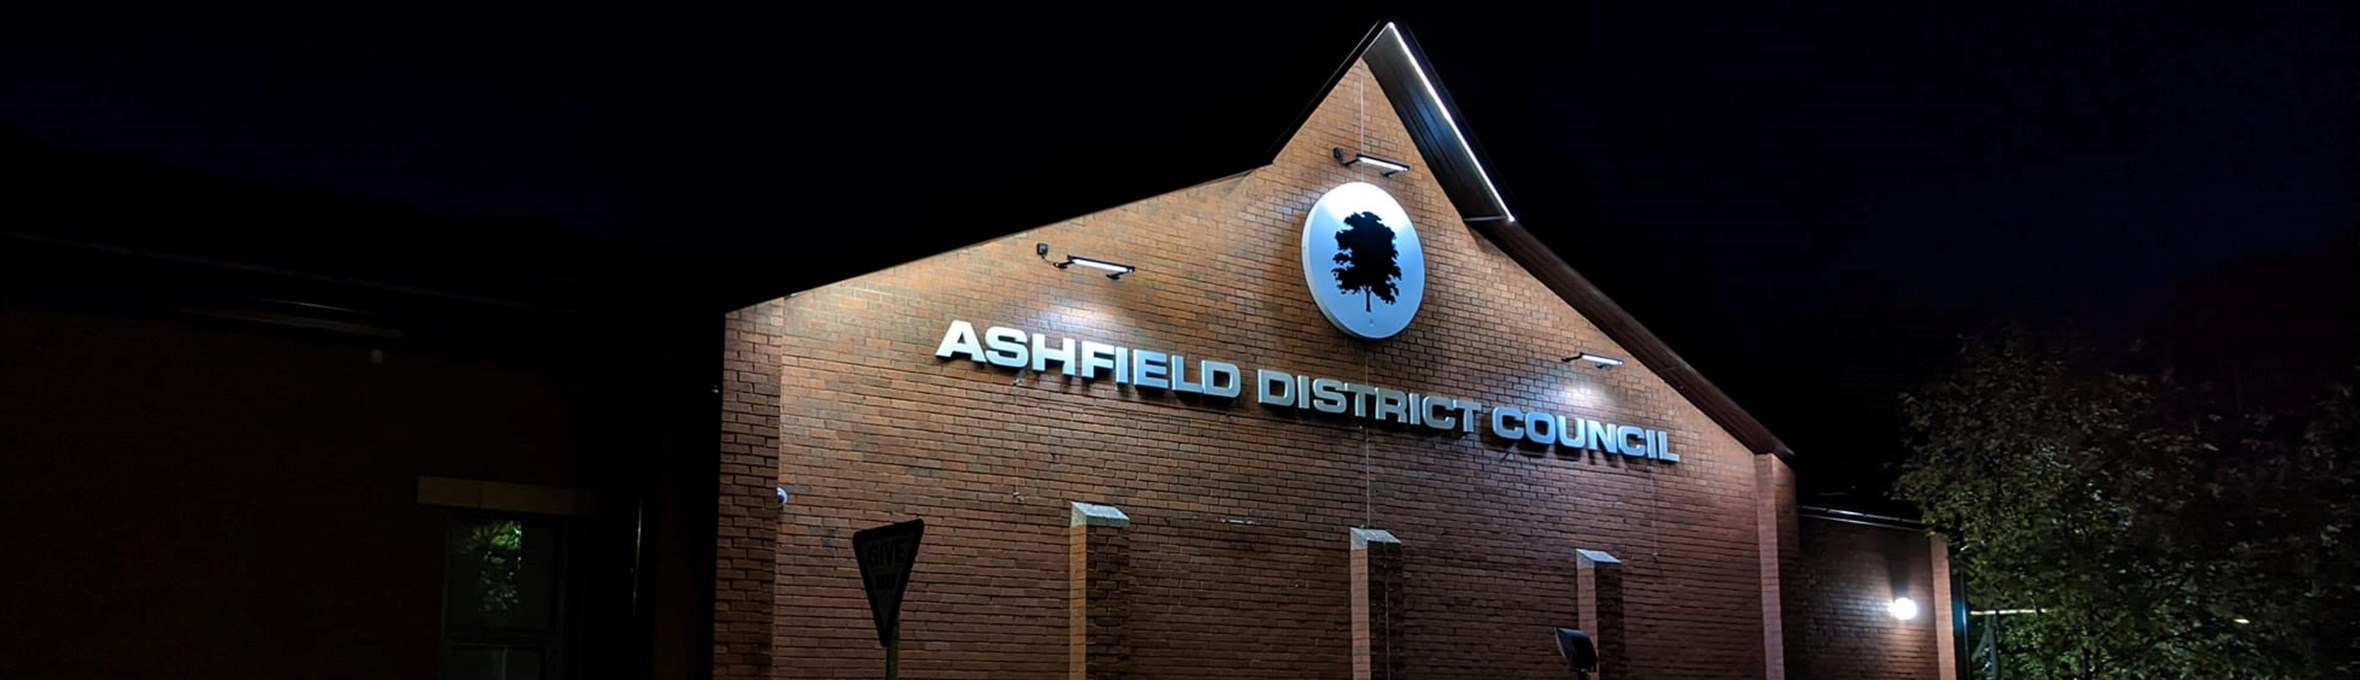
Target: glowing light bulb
pixel 1902 608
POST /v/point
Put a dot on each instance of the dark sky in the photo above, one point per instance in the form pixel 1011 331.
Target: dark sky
pixel 1808 203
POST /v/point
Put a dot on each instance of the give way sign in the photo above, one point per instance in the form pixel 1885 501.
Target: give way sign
pixel 886 554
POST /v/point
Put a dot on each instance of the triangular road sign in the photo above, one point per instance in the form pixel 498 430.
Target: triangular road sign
pixel 886 554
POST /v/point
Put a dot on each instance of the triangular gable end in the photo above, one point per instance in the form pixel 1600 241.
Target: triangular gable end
pixel 1424 109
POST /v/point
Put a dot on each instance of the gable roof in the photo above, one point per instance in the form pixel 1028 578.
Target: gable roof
pixel 1450 155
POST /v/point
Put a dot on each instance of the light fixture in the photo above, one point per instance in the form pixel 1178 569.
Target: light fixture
pixel 1114 270
pixel 1902 608
pixel 1391 168
pixel 1401 44
pixel 1581 655
pixel 2241 620
pixel 1599 361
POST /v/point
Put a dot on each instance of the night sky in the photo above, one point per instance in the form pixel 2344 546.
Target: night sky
pixel 1808 203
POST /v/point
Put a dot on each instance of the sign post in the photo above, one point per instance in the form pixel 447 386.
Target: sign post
pixel 886 554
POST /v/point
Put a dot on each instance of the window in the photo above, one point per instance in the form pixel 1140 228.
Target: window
pixel 500 599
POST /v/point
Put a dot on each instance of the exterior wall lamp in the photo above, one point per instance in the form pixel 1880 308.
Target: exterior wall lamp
pixel 1598 361
pixel 1902 608
pixel 1581 655
pixel 1114 270
pixel 1391 168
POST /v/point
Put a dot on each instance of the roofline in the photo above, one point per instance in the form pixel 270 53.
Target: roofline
pixel 1452 157
pixel 1861 518
pixel 1287 134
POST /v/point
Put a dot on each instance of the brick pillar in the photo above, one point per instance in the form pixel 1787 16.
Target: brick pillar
pixel 745 552
pixel 1946 622
pixel 1602 611
pixel 1377 645
pixel 1097 647
pixel 1779 531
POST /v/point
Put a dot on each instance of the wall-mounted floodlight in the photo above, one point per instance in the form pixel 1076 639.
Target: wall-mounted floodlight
pixel 1114 270
pixel 1902 608
pixel 1581 656
pixel 1599 361
pixel 1391 168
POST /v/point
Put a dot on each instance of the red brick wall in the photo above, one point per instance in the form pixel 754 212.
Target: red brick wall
pixel 192 498
pixel 1097 592
pixel 1945 626
pixel 1239 564
pixel 745 555
pixel 1781 562
pixel 1851 572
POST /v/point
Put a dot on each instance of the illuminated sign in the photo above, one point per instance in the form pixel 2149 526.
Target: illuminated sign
pixel 1149 369
pixel 1363 261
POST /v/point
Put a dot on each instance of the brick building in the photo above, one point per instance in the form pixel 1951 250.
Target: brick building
pixel 1128 475
pixel 253 431
pixel 1854 566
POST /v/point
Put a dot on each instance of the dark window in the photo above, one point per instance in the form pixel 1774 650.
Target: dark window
pixel 500 599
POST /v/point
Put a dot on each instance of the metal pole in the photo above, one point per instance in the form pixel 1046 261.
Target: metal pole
pixel 1995 645
pixel 893 657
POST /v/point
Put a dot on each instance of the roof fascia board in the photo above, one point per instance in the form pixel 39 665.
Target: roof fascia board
pixel 1418 98
pixel 1450 154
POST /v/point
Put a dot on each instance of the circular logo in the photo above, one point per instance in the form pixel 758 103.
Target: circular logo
pixel 1362 260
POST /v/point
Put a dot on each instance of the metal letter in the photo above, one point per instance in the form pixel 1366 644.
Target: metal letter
pixel 1180 381
pixel 1440 422
pixel 1467 411
pixel 1096 356
pixel 1222 379
pixel 1623 435
pixel 1042 355
pixel 1264 379
pixel 1007 346
pixel 1389 405
pixel 960 339
pixel 1500 426
pixel 1594 438
pixel 1327 395
pixel 1540 428
pixel 1360 398
pixel 1149 370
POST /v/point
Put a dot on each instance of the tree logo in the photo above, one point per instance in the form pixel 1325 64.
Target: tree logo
pixel 1363 262
pixel 1365 259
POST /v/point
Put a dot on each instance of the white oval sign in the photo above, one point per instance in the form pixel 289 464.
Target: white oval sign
pixel 1362 260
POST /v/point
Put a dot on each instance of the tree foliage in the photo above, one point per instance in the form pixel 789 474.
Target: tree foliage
pixel 497 551
pixel 2142 521
pixel 1366 259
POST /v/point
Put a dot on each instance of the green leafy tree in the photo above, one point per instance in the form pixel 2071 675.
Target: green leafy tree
pixel 497 550
pixel 2156 537
pixel 2287 512
pixel 1366 259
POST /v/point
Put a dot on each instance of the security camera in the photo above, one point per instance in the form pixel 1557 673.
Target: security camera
pixel 1581 656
